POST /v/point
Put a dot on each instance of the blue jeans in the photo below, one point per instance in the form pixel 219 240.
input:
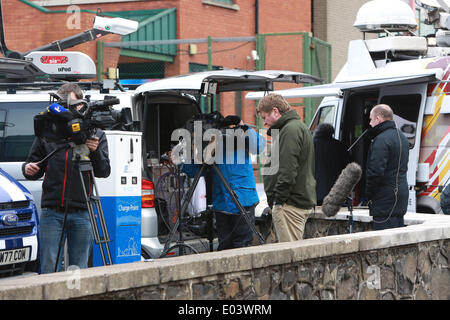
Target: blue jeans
pixel 79 235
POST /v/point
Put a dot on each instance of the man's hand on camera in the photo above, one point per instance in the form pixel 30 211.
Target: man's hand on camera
pixel 31 168
pixel 92 143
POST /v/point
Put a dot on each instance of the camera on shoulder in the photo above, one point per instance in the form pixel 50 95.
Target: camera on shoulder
pixel 79 120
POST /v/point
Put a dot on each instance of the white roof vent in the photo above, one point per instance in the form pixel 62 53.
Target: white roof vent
pixel 389 15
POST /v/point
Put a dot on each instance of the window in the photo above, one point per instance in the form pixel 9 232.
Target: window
pixel 143 70
pixel 406 113
pixel 229 4
pixel 16 129
pixel 324 115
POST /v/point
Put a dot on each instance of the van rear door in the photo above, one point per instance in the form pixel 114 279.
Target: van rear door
pixel 408 104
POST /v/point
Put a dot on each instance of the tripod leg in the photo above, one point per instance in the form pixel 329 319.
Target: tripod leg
pixel 91 202
pixel 182 211
pixel 92 217
pixel 238 204
pixel 101 218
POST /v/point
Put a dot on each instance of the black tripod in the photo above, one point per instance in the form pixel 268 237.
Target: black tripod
pixel 206 167
pixel 92 201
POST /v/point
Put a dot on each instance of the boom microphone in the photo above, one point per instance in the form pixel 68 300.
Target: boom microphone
pixel 341 189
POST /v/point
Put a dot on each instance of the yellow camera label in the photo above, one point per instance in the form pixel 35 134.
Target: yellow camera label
pixel 76 127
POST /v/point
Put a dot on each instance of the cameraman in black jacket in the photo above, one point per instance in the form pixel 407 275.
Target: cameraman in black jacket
pixel 62 190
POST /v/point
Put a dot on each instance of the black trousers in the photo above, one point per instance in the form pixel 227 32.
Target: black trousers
pixel 233 230
pixel 380 223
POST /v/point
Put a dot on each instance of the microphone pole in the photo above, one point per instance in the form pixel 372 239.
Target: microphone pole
pixel 351 147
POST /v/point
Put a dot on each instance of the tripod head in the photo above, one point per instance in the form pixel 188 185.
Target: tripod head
pixel 80 152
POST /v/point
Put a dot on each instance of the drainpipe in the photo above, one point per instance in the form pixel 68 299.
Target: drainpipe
pixel 99 61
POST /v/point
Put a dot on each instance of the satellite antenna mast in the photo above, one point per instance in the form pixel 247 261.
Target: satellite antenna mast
pixel 68 65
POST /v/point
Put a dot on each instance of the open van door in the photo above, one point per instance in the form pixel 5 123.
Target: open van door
pixel 408 104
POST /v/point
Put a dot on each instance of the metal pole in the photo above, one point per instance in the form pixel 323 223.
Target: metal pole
pixel 177 41
pixel 100 45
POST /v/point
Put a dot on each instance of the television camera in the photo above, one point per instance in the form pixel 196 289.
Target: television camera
pixel 209 132
pixel 215 120
pixel 77 120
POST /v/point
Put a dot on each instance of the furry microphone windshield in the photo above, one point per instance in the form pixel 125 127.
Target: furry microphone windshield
pixel 342 188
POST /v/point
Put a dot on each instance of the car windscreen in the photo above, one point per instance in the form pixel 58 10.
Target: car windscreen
pixel 17 129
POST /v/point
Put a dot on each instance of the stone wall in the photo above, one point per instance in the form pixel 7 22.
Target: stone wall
pixel 404 263
pixel 410 272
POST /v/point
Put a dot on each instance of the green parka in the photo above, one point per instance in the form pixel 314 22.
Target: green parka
pixel 293 183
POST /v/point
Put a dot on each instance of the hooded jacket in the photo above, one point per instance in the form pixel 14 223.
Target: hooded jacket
pixel 293 183
pixel 387 165
pixel 61 176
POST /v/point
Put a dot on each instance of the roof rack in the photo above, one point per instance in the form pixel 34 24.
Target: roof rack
pixel 45 61
pixel 13 87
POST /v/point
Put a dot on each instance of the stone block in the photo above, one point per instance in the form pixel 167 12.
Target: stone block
pixel 289 278
pixel 132 275
pixel 272 254
pixel 178 291
pixel 323 247
pixel 303 291
pixel 261 283
pixel 229 261
pixel 204 291
pixel 148 294
pixel 184 267
pixel 22 292
pixel 440 279
pixel 75 283
pixel 231 289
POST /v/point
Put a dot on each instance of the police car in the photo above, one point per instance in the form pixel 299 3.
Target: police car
pixel 18 228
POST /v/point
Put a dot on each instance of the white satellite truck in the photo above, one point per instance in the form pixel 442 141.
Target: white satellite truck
pixel 408 72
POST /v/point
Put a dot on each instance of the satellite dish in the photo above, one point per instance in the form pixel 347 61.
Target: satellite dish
pixel 385 15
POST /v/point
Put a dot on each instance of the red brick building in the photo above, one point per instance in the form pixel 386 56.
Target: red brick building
pixel 31 24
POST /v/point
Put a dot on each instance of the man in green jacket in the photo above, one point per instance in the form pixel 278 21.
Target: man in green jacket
pixel 290 190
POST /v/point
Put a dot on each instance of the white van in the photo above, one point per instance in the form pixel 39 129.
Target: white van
pixel 165 105
pixel 408 74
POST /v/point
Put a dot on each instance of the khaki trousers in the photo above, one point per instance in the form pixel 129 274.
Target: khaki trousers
pixel 289 222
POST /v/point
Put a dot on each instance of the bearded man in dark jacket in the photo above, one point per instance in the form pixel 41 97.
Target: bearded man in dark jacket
pixel 62 190
pixel 387 165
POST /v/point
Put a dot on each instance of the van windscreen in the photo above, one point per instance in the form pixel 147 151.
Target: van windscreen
pixel 17 129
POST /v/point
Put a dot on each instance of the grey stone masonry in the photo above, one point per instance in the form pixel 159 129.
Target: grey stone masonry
pixel 404 263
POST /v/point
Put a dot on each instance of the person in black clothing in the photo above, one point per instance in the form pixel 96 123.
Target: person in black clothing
pixel 387 164
pixel 330 159
pixel 62 190
pixel 445 199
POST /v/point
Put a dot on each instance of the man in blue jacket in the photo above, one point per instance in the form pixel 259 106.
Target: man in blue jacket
pixel 232 229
